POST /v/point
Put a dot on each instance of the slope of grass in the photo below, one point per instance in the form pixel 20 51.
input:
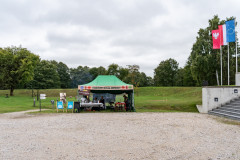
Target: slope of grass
pixel 48 92
pixel 182 99
pixel 147 99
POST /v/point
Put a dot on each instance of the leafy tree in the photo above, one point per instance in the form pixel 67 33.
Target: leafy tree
pixel 46 75
pixel 102 70
pixel 80 75
pixel 180 77
pixel 123 73
pixel 16 67
pixel 133 75
pixel 166 72
pixel 150 81
pixel 120 72
pixel 97 71
pixel 2 86
pixel 143 80
pixel 113 69
pixel 94 72
pixel 187 77
pixel 64 75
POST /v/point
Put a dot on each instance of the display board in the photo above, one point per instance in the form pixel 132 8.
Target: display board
pixel 70 105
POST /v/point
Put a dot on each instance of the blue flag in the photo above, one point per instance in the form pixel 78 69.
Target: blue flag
pixel 230 28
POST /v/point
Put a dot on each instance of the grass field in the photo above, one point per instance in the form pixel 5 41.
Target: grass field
pixel 147 99
pixel 168 99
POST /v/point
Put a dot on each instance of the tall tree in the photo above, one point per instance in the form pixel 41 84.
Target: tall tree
pixel 16 67
pixel 179 81
pixel 187 75
pixel 95 71
pixel 46 75
pixel 150 81
pixel 123 73
pixel 133 76
pixel 166 72
pixel 113 69
pixel 102 70
pixel 80 75
pixel 143 81
pixel 64 75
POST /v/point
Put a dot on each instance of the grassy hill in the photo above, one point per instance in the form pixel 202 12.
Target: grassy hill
pixel 147 99
pixel 166 99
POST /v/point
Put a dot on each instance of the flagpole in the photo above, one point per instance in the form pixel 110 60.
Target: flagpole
pixel 228 64
pixel 236 46
pixel 236 57
pixel 221 62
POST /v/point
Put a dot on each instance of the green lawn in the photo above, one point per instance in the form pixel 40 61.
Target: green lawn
pixel 168 99
pixel 21 103
pixel 147 99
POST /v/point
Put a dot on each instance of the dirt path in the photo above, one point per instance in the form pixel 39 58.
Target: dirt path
pixel 117 136
pixel 20 114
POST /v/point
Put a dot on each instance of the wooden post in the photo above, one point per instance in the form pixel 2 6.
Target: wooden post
pixel 67 106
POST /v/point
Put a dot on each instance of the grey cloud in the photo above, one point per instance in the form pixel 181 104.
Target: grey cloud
pixel 98 33
pixel 104 14
pixel 66 40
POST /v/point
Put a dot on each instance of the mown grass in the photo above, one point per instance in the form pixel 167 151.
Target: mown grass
pixel 165 99
pixel 147 99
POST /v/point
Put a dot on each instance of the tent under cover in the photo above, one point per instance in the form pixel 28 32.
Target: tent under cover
pixel 109 84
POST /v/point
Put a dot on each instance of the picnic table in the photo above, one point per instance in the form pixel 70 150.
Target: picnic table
pixel 120 106
pixel 89 106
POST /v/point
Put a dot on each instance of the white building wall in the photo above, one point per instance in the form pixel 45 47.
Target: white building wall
pixel 213 97
pixel 237 79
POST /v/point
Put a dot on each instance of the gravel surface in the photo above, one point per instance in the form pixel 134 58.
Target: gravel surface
pixel 117 136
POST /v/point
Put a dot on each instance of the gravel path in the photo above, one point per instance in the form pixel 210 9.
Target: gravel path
pixel 117 136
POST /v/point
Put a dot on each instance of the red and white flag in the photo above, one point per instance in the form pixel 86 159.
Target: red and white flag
pixel 216 39
pixel 223 34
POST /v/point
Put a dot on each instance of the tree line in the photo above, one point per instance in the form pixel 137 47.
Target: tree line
pixel 19 68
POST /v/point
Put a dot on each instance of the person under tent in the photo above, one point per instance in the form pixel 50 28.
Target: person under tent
pixel 103 102
pixel 126 102
pixel 95 100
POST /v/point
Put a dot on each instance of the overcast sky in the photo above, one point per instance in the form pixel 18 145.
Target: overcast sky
pixel 101 32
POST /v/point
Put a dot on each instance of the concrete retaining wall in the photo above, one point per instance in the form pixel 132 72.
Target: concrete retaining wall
pixel 237 79
pixel 213 97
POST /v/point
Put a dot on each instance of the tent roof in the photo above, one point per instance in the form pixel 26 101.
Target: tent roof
pixel 106 80
pixel 108 84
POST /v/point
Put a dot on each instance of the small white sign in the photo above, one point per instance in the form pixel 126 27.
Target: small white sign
pixel 42 96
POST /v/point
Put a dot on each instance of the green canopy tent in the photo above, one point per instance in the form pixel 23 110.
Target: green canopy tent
pixel 109 84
